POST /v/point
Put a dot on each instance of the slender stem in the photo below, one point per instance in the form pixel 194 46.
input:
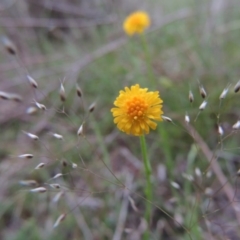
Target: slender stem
pixel 148 188
pixel 148 59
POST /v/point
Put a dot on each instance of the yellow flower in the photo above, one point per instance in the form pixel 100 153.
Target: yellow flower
pixel 136 109
pixel 136 22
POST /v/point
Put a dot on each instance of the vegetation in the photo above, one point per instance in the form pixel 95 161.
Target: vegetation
pixel 67 172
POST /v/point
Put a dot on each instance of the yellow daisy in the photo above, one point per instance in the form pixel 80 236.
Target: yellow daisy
pixel 136 22
pixel 136 109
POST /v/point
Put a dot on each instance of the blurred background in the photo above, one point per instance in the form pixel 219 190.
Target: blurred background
pixel 80 45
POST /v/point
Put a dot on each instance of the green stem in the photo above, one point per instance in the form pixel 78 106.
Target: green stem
pixel 148 60
pixel 148 188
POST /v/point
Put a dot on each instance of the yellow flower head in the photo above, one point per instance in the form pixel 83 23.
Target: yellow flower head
pixel 136 22
pixel 136 110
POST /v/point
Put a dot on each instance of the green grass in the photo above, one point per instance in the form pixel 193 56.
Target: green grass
pixel 183 54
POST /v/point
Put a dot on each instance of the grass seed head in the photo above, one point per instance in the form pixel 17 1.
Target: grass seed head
pixel 203 105
pixel 30 183
pixel 40 165
pixel 190 96
pixel 208 191
pixel 9 46
pixel 187 118
pixel 26 156
pixel 60 219
pixel 62 93
pixel 220 130
pixel 198 172
pixel 57 175
pixel 32 82
pixel 58 136
pixel 15 97
pixel 92 107
pixel 32 136
pixel 57 197
pixel 40 106
pixel 236 125
pixel 55 186
pixel 209 174
pixel 189 177
pixel 74 165
pixel 10 96
pixel 237 87
pixel 4 95
pixel 79 91
pixel 167 119
pixel 39 190
pixel 223 94
pixel 202 92
pixel 31 110
pixel 80 131
pixel 132 203
pixel 64 163
pixel 175 185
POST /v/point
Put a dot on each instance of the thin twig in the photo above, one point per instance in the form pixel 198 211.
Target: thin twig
pixel 123 211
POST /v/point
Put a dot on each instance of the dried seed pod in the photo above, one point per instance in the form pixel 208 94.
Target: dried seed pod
pixel 39 190
pixel 58 136
pixel 203 105
pixel 220 130
pixel 167 119
pixel 26 155
pixel 40 165
pixel 224 93
pixel 92 107
pixel 40 106
pixel 62 93
pixel 79 91
pixel 60 219
pixel 32 136
pixel 32 82
pixel 187 118
pixel 236 125
pixel 57 197
pixel 237 87
pixel 80 131
pixel 202 92
pixel 9 46
pixel 31 183
pixel 31 110
pixel 190 96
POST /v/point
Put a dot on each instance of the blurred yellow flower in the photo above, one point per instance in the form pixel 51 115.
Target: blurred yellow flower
pixel 136 22
pixel 135 109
